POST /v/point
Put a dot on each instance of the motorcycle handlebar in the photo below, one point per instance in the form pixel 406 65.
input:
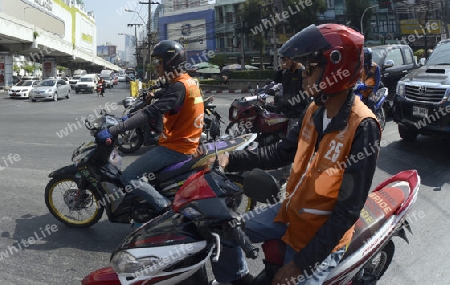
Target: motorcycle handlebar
pixel 244 242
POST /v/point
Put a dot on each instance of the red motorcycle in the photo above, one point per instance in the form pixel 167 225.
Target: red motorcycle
pixel 100 90
pixel 253 115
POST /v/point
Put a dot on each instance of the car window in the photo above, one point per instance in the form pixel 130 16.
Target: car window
pixel 47 83
pixel 409 59
pixel 396 56
pixel 25 83
pixel 86 79
pixel 440 55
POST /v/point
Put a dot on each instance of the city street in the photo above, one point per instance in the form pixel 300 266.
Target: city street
pixel 37 138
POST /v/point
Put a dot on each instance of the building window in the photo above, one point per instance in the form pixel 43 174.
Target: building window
pixel 220 15
pixel 229 17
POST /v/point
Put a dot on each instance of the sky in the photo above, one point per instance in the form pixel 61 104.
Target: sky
pixel 111 19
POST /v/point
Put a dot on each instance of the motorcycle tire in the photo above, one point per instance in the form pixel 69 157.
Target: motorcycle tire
pixel 246 204
pixel 375 268
pixel 68 188
pixel 381 117
pixel 133 145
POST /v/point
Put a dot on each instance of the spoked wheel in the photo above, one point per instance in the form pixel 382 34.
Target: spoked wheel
pixel 381 117
pixel 73 207
pixel 377 266
pixel 246 204
pixel 130 141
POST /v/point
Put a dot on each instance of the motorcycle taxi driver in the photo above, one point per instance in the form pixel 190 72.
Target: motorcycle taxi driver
pixel 329 181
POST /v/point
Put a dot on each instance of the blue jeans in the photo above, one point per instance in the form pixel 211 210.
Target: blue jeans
pixel 146 165
pixel 260 227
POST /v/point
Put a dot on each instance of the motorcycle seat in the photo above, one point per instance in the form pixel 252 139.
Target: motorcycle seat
pixel 379 207
pixel 204 150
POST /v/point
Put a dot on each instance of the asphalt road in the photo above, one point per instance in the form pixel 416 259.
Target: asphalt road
pixel 37 138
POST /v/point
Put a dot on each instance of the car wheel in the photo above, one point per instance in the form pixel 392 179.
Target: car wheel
pixel 68 94
pixel 406 134
pixel 55 97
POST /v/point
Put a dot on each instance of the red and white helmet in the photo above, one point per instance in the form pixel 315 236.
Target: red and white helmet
pixel 335 46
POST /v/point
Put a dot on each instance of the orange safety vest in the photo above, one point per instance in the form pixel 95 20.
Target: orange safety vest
pixel 368 81
pixel 315 179
pixel 182 130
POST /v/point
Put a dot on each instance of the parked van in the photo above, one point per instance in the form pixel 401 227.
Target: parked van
pixel 87 83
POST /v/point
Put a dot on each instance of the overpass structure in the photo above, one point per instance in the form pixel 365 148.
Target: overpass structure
pixel 49 32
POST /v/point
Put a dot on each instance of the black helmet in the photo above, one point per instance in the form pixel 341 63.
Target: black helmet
pixel 172 54
pixel 368 56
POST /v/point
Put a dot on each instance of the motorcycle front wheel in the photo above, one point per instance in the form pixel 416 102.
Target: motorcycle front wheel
pixel 130 141
pixel 77 209
pixel 375 268
pixel 381 117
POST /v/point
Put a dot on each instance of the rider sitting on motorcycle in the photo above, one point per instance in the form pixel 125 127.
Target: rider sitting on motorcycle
pixel 334 150
pixel 181 104
pixel 370 80
pixel 292 103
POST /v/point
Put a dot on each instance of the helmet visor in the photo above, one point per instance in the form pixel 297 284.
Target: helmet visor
pixel 305 43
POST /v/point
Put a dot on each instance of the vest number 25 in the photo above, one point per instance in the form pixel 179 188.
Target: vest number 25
pixel 334 151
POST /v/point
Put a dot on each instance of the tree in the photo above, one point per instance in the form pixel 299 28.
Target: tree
pixel 16 68
pixel 29 68
pixel 354 10
pixel 300 16
pixel 218 59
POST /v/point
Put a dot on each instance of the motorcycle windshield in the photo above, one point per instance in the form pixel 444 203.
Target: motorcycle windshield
pixel 166 229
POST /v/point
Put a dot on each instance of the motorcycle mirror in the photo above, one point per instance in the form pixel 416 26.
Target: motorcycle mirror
pixel 270 92
pixel 261 186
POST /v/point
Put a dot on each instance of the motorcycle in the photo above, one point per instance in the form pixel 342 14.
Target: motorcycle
pixel 253 115
pixel 100 90
pixel 378 100
pixel 78 194
pixel 131 141
pixel 174 247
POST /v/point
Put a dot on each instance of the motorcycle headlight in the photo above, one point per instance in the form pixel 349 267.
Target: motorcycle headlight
pixel 124 262
pixel 400 89
pixel 190 213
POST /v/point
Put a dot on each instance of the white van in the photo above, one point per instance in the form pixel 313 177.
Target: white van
pixel 87 83
pixel 108 76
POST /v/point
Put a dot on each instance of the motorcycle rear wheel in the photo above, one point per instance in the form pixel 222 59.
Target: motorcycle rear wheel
pixel 130 144
pixel 375 268
pixel 84 213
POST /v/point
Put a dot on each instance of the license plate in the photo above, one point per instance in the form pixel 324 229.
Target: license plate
pixel 420 111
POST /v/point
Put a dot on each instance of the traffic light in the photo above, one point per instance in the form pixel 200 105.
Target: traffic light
pixel 384 4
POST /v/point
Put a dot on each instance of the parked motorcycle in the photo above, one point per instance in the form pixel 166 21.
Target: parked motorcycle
pixel 78 194
pixel 253 115
pixel 378 102
pixel 174 247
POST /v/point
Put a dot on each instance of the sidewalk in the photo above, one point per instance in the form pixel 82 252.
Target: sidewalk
pixel 228 91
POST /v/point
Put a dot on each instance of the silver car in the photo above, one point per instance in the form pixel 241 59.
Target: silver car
pixel 50 89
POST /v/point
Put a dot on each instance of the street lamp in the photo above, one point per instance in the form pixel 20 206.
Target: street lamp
pixel 133 11
pixel 362 17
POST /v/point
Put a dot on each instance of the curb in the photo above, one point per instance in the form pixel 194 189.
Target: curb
pixel 227 91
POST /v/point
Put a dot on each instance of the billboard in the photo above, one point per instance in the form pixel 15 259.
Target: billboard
pixel 190 33
pixel 106 51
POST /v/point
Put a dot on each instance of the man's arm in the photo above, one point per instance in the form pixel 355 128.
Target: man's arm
pixel 269 157
pixel 278 77
pixel 353 193
pixel 171 99
pixel 377 79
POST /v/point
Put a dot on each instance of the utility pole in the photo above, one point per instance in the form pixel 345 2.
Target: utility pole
pixel 149 32
pixel 135 39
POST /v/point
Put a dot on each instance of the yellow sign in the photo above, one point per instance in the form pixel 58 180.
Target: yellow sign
pixel 413 27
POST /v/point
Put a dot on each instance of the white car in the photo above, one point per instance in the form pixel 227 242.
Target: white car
pixel 22 89
pixel 50 89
